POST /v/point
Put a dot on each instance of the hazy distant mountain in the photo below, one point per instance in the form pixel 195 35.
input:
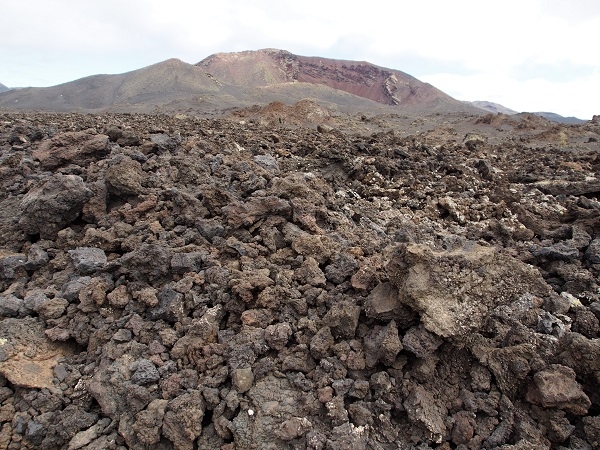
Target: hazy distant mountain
pixel 226 80
pixel 493 107
pixel 558 118
pixel 496 108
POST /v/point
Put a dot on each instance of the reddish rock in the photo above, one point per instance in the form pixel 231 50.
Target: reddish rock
pixel 464 427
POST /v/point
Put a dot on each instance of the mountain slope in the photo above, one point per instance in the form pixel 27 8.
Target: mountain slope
pixel 270 67
pixel 229 80
pixel 493 107
pixel 558 118
pixel 3 88
pixel 153 85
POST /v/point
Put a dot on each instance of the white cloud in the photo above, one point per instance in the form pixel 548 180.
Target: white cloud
pixel 578 97
pixel 47 42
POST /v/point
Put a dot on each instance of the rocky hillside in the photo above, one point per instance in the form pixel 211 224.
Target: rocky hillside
pixel 230 80
pixel 169 82
pixel 177 283
pixel 270 67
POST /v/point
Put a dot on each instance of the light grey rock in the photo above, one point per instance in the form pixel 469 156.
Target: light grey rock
pixel 144 372
pixel 88 259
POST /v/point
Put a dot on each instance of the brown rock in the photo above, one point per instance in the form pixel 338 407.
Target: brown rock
pixel 556 387
pixel 382 344
pixel 250 281
pixel 182 423
pixel 342 318
pixel 321 343
pixel 383 303
pixel 464 427
pixel 119 297
pixel 148 423
pixel 420 341
pixel 308 245
pixel 52 309
pixel 258 318
pixel 27 357
pixel 79 147
pixel 147 296
pixel 453 291
pixel 294 428
pixel 125 177
pixel 242 379
pixel 245 214
pixel 277 336
pixel 425 411
pixel 310 273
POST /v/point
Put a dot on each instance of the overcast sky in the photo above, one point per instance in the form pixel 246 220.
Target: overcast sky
pixel 528 55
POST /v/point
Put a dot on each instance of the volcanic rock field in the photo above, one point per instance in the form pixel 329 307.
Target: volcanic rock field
pixel 376 282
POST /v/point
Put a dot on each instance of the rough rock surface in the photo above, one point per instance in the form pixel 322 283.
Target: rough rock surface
pixel 54 204
pixel 27 357
pixel 180 283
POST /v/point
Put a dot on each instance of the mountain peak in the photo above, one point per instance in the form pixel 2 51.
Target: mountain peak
pixel 227 80
pixel 269 67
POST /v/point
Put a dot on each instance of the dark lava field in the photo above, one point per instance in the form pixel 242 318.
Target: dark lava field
pixel 385 282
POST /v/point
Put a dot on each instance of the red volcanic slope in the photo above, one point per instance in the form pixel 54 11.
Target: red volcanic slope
pixel 270 66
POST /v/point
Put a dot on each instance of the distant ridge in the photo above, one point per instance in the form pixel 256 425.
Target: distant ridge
pixel 493 107
pixel 558 118
pixel 497 108
pixel 3 88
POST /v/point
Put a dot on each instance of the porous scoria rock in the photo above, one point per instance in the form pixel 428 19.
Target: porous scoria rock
pixel 27 357
pixel 57 202
pixel 453 290
pixel 182 423
pixel 274 401
pixel 426 411
pixel 293 289
pixel 88 259
pixel 245 214
pixel 125 177
pixel 148 424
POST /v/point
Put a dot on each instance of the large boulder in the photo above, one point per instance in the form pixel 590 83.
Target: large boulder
pixel 125 177
pixel 79 147
pixel 27 357
pixel 453 290
pixel 556 387
pixel 46 209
